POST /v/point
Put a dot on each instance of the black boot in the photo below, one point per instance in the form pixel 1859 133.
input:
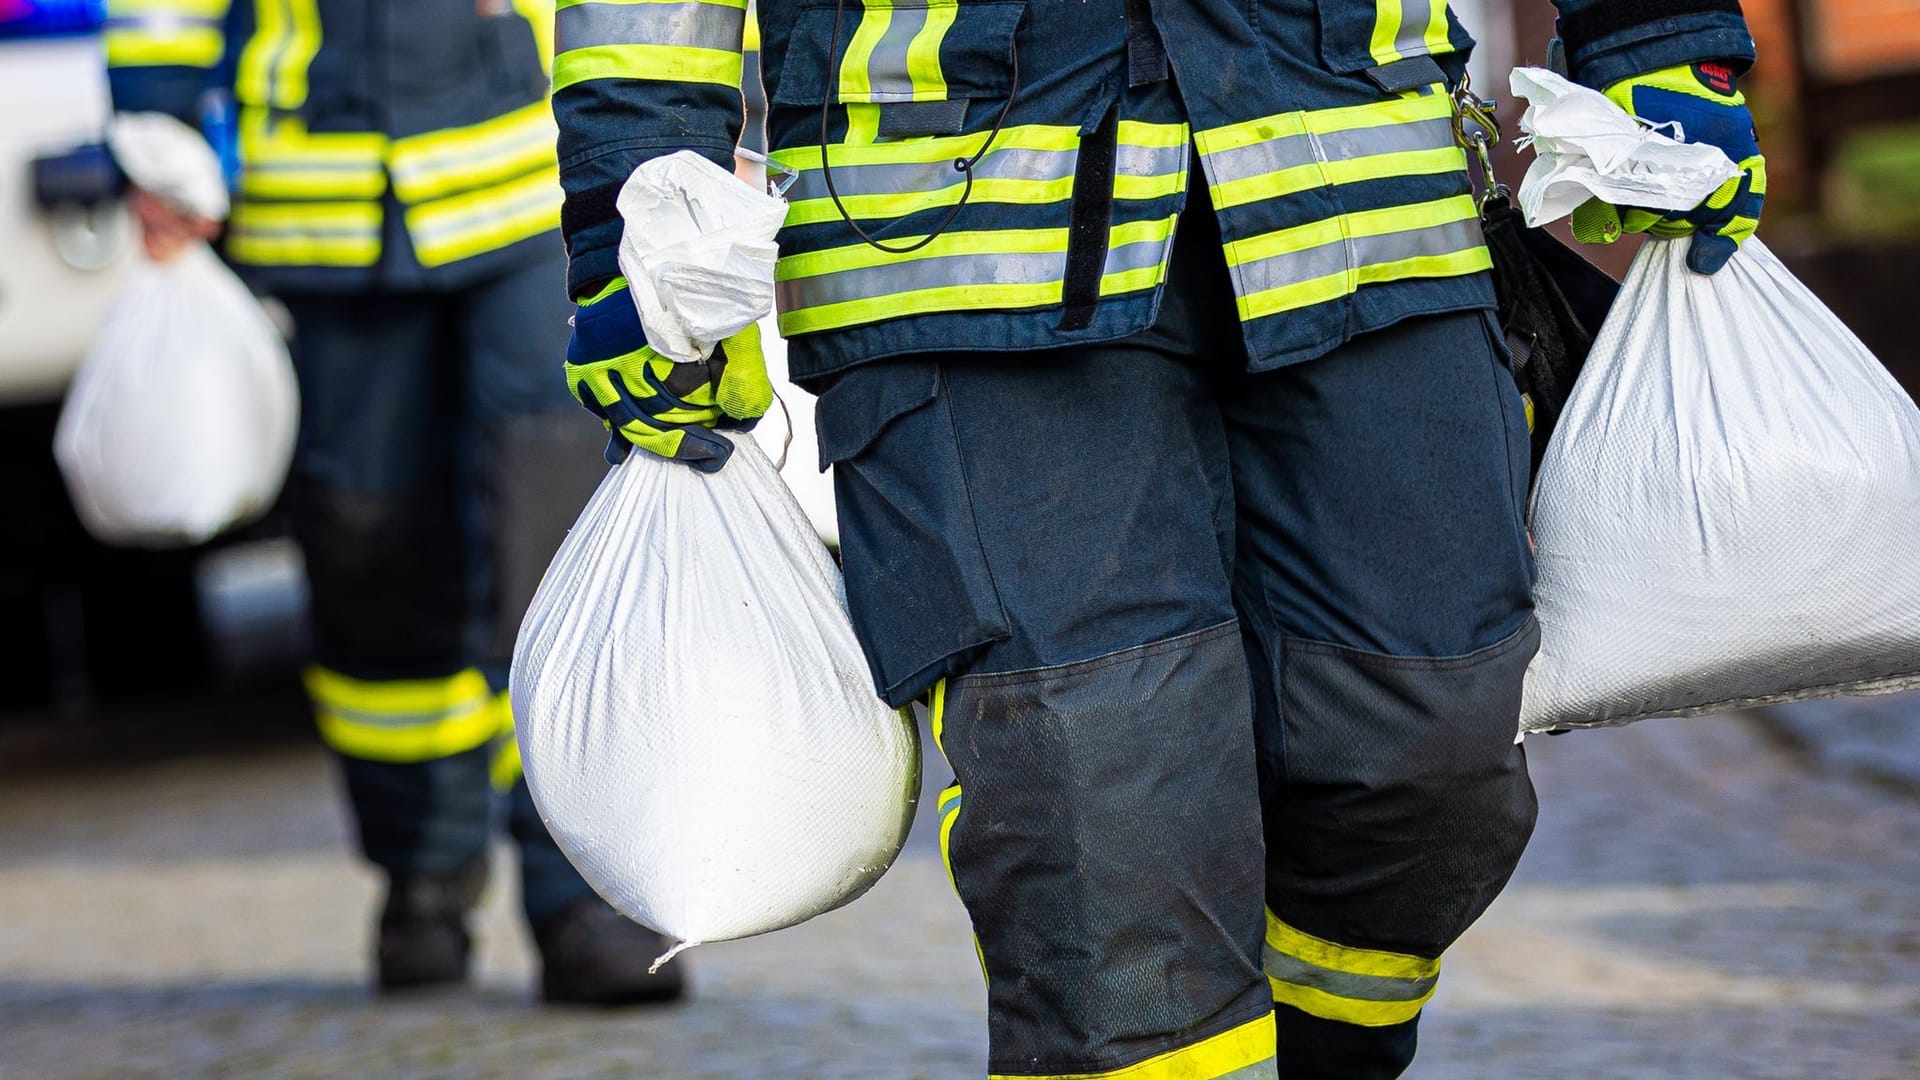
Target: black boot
pixel 423 927
pixel 593 955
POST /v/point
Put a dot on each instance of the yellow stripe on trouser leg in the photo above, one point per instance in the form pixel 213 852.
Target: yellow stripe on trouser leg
pixel 506 769
pixel 1240 1053
pixel 1367 987
pixel 948 806
pixel 403 720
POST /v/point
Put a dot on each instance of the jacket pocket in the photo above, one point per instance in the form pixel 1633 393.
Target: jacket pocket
pixel 919 589
pixel 920 61
pixel 1402 44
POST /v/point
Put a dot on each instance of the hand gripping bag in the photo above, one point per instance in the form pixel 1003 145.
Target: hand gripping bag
pixel 694 714
pixel 182 418
pixel 1729 511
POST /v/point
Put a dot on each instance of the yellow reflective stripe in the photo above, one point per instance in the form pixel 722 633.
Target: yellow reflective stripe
pixel 856 84
pixel 938 709
pixel 1404 28
pixel 1320 952
pixel 659 63
pixel 1154 237
pixel 462 226
pixel 937 148
pixel 179 9
pixel 402 720
pixel 451 160
pixel 923 55
pixel 1245 1052
pixel 199 46
pixel 1323 121
pixel 285 161
pixel 1448 223
pixel 305 234
pixel 273 66
pixel 505 770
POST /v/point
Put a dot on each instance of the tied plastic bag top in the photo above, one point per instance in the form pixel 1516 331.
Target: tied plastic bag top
pixel 695 717
pixel 181 420
pixel 171 160
pixel 1729 511
pixel 698 253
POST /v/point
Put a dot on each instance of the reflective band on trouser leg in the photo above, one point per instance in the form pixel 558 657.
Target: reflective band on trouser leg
pixel 441 163
pixel 273 66
pixel 1351 986
pixel 1404 28
pixel 402 720
pixel 667 40
pixel 305 234
pixel 947 807
pixel 1276 156
pixel 505 769
pixel 1241 1053
pixel 462 226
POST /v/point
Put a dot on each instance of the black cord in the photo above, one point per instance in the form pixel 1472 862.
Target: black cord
pixel 964 165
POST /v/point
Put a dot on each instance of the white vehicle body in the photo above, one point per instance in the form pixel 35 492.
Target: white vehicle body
pixel 59 270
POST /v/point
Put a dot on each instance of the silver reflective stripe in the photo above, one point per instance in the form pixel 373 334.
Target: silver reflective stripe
pixel 1414 15
pixel 437 227
pixel 1150 160
pixel 1290 151
pixel 482 150
pixel 1136 256
pixel 295 164
pixel 1297 972
pixel 887 75
pixel 700 26
pixel 919 177
pixel 1259 1070
pixel 162 22
pixel 1337 256
pixel 867 283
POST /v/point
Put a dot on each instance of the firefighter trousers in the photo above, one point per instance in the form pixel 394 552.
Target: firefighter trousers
pixel 440 463
pixel 1227 666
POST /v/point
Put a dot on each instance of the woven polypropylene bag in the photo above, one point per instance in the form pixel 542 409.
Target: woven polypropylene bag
pixel 694 714
pixel 1729 513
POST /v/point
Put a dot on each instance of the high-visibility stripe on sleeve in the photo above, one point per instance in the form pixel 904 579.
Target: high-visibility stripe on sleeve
pixel 1367 987
pixel 697 41
pixel 305 234
pixel 1404 28
pixel 146 33
pixel 403 720
pixel 505 769
pixel 440 163
pixel 1245 1052
pixel 192 43
pixel 476 222
pixel 273 66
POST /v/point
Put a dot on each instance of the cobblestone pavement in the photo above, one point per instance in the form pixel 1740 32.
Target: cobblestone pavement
pixel 1696 903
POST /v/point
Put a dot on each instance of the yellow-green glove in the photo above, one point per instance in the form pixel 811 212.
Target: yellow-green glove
pixel 1707 103
pixel 647 400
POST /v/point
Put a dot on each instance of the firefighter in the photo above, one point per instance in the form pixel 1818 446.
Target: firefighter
pixel 1178 459
pixel 398 190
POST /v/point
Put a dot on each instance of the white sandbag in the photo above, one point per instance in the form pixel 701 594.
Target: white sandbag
pixel 1729 512
pixel 695 716
pixel 181 420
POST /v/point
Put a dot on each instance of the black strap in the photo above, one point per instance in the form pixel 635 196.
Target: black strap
pixel 906 119
pixel 1089 231
pixel 1409 74
pixel 1146 53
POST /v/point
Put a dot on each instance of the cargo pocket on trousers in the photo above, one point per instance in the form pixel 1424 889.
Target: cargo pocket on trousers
pixel 1406 802
pixel 918 586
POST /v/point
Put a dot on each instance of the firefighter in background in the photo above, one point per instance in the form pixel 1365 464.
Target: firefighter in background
pixel 398 190
pixel 1178 460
